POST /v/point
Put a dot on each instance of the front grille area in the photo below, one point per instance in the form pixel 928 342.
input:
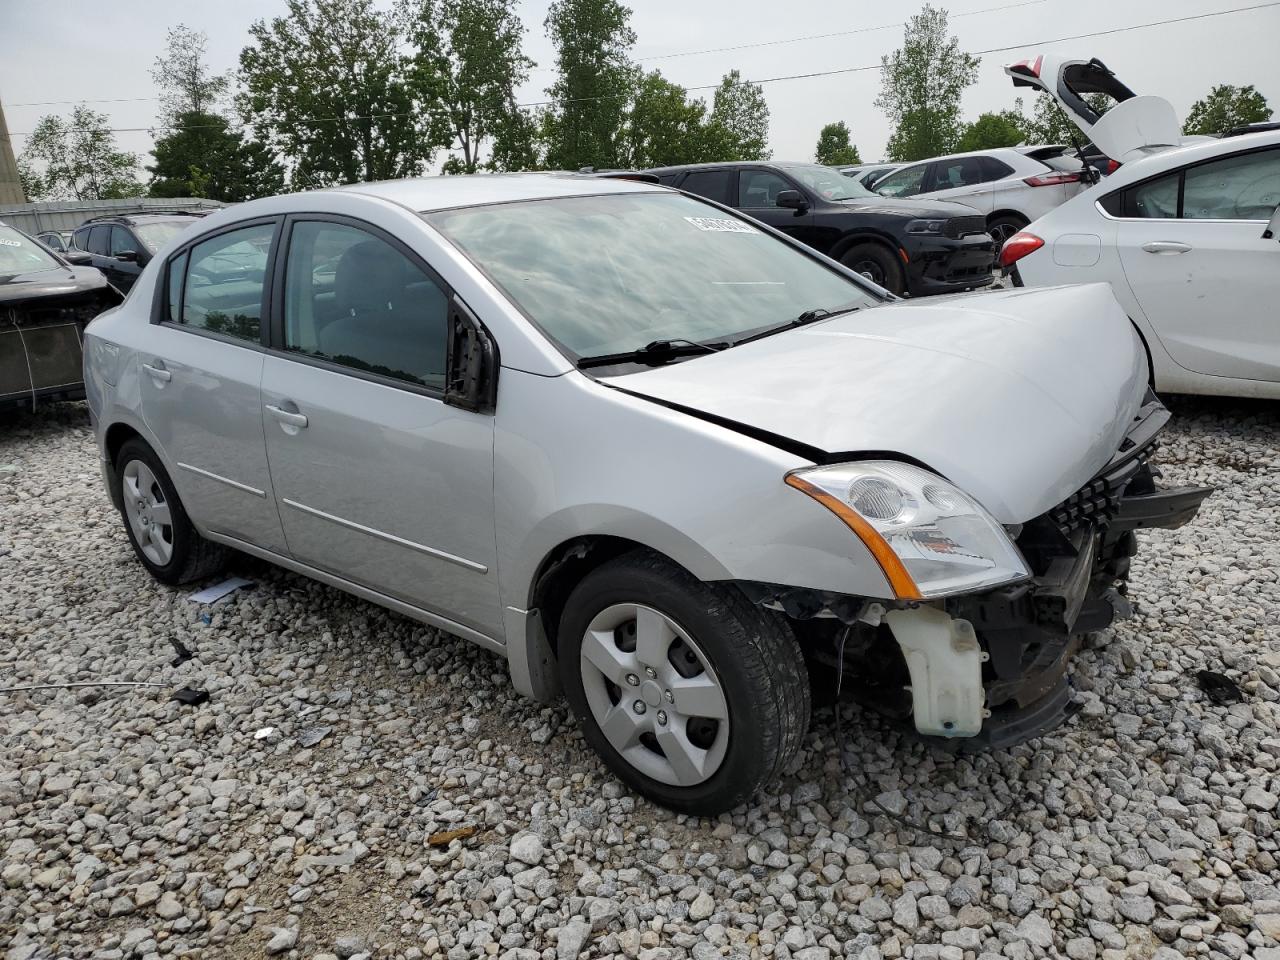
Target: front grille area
pixel 958 227
pixel 1098 500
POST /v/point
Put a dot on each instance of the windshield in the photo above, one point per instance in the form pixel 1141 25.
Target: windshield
pixel 20 254
pixel 609 274
pixel 159 232
pixel 825 182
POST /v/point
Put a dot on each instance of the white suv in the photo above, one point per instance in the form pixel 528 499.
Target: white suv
pixel 1010 187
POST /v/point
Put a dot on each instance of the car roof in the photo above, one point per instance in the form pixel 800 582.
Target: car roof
pixel 445 192
pixel 677 167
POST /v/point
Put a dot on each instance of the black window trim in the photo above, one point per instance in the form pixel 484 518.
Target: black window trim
pixel 274 345
pixel 1122 194
pixel 160 302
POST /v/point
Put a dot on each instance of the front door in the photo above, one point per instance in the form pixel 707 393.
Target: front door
pixel 201 376
pixel 1199 267
pixel 377 479
pixel 124 263
pixel 758 190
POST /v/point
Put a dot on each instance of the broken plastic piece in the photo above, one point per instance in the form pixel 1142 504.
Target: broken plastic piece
pixel 183 654
pixel 446 837
pixel 310 736
pixel 191 698
pixel 219 590
pixel 1219 687
pixel 263 733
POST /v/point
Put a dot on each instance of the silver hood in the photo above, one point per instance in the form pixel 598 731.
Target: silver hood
pixel 1018 397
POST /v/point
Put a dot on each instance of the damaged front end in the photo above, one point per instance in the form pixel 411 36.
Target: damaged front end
pixel 989 669
pixel 42 322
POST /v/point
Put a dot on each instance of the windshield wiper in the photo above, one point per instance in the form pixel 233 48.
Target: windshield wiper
pixel 809 316
pixel 653 353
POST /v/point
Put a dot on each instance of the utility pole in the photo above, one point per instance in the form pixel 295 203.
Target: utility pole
pixel 10 184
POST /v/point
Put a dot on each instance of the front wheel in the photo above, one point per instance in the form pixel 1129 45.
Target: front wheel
pixel 690 693
pixel 1002 228
pixel 878 265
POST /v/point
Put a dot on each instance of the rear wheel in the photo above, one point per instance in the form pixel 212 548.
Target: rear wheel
pixel 1004 227
pixel 162 535
pixel 878 265
pixel 689 692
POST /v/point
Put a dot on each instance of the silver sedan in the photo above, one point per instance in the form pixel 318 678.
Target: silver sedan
pixel 653 453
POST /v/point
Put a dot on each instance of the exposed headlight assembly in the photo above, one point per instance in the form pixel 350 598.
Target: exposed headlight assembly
pixel 926 226
pixel 930 539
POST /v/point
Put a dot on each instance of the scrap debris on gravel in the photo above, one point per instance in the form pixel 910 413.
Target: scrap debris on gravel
pixel 359 785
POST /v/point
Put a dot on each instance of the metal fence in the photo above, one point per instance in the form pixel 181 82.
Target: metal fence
pixel 35 218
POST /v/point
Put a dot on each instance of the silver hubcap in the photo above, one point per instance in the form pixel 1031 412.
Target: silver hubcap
pixel 148 513
pixel 653 693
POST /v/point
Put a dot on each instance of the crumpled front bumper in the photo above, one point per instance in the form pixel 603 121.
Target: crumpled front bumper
pixel 1080 554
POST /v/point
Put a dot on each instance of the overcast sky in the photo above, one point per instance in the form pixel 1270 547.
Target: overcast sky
pixel 61 52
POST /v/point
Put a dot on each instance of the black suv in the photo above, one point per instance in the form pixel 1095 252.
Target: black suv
pixel 918 247
pixel 122 245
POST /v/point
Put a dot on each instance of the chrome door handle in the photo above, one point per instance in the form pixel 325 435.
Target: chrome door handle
pixel 160 373
pixel 286 416
pixel 1166 247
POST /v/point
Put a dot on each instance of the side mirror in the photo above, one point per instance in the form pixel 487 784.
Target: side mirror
pixel 1273 227
pixel 471 364
pixel 78 258
pixel 127 256
pixel 791 200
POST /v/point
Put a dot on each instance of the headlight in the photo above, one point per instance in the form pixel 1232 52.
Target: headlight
pixel 925 226
pixel 930 539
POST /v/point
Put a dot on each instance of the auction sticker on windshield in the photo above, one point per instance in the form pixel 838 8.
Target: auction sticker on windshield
pixel 721 225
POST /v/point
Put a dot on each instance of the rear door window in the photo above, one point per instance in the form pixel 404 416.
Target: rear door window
pixel 100 240
pixel 959 172
pixel 80 239
pixel 712 184
pixel 224 285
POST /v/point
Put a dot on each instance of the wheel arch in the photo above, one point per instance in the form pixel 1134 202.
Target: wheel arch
pixel 855 237
pixel 1003 212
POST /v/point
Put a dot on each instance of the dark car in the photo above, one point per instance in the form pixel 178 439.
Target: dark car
pixel 59 241
pixel 917 247
pixel 121 246
pixel 906 246
pixel 45 304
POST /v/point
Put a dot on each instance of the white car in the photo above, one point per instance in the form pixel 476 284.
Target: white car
pixel 1010 186
pixel 1185 233
pixel 868 173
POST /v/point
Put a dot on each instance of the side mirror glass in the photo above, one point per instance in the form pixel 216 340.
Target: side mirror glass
pixel 791 200
pixel 1273 228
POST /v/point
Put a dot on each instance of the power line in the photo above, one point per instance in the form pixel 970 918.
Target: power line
pixel 793 76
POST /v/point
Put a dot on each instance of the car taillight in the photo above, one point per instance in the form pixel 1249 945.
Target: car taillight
pixel 1017 247
pixel 1030 68
pixel 1112 166
pixel 1052 179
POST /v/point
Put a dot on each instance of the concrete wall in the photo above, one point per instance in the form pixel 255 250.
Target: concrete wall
pixel 10 185
pixel 34 218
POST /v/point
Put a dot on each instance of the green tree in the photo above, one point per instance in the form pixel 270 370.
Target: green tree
pixel 921 84
pixel 1049 124
pixel 1226 107
pixel 325 87
pixel 739 120
pixel 203 157
pixel 184 79
pixel 834 146
pixel 466 66
pixel 77 160
pixel 664 127
pixel 593 40
pixel 1004 128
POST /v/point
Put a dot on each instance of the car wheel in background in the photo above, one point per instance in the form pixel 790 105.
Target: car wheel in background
pixel 162 535
pixel 877 264
pixel 689 692
pixel 1002 228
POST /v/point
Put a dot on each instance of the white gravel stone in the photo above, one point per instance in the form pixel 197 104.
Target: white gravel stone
pixel 1147 823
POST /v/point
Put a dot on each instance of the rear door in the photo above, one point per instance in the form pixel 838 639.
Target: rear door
pixel 201 379
pixel 1191 242
pixel 712 184
pixel 378 480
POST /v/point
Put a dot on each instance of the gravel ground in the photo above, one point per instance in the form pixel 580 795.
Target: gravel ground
pixel 132 826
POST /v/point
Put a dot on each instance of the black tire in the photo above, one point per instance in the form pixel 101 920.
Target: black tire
pixel 877 264
pixel 753 654
pixel 194 557
pixel 1004 227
